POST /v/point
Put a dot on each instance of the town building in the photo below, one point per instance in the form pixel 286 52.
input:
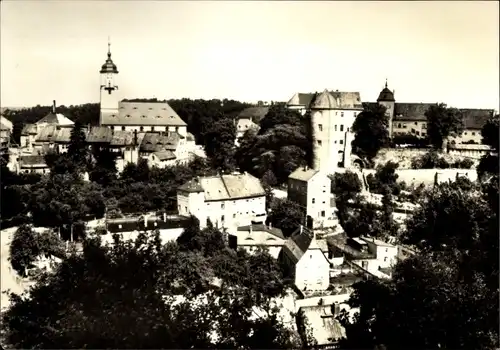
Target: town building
pixel 248 119
pixel 229 200
pixel 304 262
pixel 118 114
pixel 6 129
pixel 332 115
pixel 255 236
pixel 34 164
pixel 311 189
pixel 326 330
pixel 410 119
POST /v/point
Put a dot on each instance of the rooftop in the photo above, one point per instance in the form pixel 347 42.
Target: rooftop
pixel 144 113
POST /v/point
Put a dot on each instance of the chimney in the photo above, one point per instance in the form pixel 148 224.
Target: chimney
pixel 301 228
pixel 251 228
pixel 54 106
pixel 305 168
pixel 270 224
pixel 145 221
pixel 164 217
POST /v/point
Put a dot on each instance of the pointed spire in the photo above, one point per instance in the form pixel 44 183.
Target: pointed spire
pixel 386 83
pixel 109 47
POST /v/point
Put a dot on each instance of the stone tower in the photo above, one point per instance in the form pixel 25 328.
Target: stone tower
pixel 386 99
pixel 108 88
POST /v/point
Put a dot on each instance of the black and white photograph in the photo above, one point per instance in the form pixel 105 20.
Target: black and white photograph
pixel 249 174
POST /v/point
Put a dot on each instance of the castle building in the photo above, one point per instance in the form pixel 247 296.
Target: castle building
pixel 118 114
pixel 410 119
pixel 332 114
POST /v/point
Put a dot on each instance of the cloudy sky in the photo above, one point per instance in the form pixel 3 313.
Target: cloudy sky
pixel 428 51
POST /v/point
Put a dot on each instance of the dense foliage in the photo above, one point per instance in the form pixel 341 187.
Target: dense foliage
pixel 142 294
pixel 446 296
pixel 488 165
pixel 286 215
pixel 282 144
pixel 433 160
pixel 371 131
pixel 442 122
pixel 385 178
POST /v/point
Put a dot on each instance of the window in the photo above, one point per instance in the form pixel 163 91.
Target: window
pixel 347 129
pixel 465 133
pixel 386 250
pixel 335 141
pixel 222 218
pixel 222 205
pixel 234 216
pixel 385 259
pixel 319 142
pixel 143 116
pixel 335 127
pixel 176 129
pixel 355 114
pixel 323 213
pixel 404 126
pixel 424 126
pixel 320 127
pixel 473 133
pixel 341 142
pixel 314 200
pixel 186 209
pixel 112 128
pixel 152 128
pixel 141 128
pixel 416 123
pixel 341 127
pixel 123 128
pixel 399 125
pixel 341 114
pixel 179 207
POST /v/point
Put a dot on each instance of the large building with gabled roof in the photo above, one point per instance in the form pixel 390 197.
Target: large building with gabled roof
pixel 118 114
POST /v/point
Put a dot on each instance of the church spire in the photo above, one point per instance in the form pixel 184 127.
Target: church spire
pixel 109 47
pixel 386 83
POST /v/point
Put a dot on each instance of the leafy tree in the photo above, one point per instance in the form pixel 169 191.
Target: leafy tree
pixel 286 215
pixel 442 122
pixel 385 177
pixel 104 170
pixel 490 132
pixel 447 295
pixel 77 149
pixel 97 298
pixel 208 241
pixel 280 115
pixel 24 249
pixel 429 160
pixel 219 144
pixel 346 186
pixel 371 131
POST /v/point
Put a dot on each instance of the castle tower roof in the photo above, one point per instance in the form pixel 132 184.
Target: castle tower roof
pixel 386 95
pixel 109 66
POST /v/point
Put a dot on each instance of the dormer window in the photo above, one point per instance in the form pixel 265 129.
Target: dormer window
pixel 128 115
pixel 172 117
pixel 143 116
pixel 135 107
pixel 158 116
pixel 150 108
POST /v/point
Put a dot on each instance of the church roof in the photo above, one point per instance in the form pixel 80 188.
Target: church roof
pixel 386 95
pixel 109 66
pixel 144 113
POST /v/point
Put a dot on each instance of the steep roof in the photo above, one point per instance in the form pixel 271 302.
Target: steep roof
pixel 99 134
pixel 144 113
pixel 343 100
pixel 124 138
pixel 32 161
pixel 56 118
pixel 5 124
pixel 324 101
pixel 28 129
pixel 256 114
pixel 62 135
pixel 476 118
pixel 299 243
pixel 303 174
pixel 226 187
pixel 165 155
pixel 326 329
pixel 46 134
pixel 154 142
pixel 411 111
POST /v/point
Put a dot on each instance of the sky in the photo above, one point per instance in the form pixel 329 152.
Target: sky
pixel 429 51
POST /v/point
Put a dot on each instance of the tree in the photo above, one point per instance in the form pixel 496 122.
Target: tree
pixel 126 296
pixel 279 115
pixel 346 186
pixel 104 170
pixel 442 122
pixel 490 132
pixel 385 177
pixel 24 249
pixel 371 129
pixel 77 149
pixel 286 215
pixel 219 144
pixel 446 296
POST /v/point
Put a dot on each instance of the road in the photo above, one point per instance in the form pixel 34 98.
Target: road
pixel 8 277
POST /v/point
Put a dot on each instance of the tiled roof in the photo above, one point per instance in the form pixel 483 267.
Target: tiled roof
pixel 226 187
pixel 386 95
pixel 326 329
pixel 56 118
pixel 29 129
pixel 5 124
pixel 262 228
pixel 165 155
pixel 325 100
pixel 62 135
pixel 32 161
pixel 256 114
pixel 343 100
pixel 144 113
pixel 46 134
pixel 125 138
pixel 298 244
pixel 476 118
pixel 411 111
pixel 303 174
pixel 192 186
pixel 154 142
pixel 99 134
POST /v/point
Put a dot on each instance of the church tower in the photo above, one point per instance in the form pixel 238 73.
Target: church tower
pixel 386 99
pixel 108 89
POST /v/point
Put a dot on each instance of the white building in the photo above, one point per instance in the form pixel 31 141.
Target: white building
pixel 133 116
pixel 332 114
pixel 312 190
pixel 304 261
pixel 254 236
pixel 226 200
pixel 249 119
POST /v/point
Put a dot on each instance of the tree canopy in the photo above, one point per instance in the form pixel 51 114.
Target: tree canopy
pixel 446 296
pixel 142 294
pixel 371 131
pixel 442 122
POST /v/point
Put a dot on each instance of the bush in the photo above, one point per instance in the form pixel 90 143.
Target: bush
pixel 463 164
pixel 429 160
